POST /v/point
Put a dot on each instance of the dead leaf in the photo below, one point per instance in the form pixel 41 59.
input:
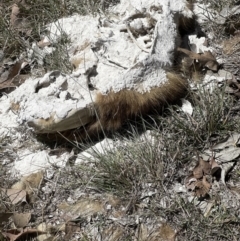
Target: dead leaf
pixel 33 181
pixel 7 84
pixel 202 187
pixel 44 42
pixel 18 22
pixel 15 195
pixel 21 220
pixel 14 20
pixel 17 234
pixel 214 166
pixel 43 227
pixel 12 77
pixel 231 45
pixel 206 167
pixel 226 151
pixel 15 106
pixel 198 172
pixel 190 182
pixel 84 207
pixel 233 87
pixel 9 74
pixel 203 168
pixel 70 229
pixel 30 184
pixel 163 233
pixel 197 181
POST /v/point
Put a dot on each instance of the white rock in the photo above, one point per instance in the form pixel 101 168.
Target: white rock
pixel 29 162
pixel 187 107
pixel 99 149
pixel 198 45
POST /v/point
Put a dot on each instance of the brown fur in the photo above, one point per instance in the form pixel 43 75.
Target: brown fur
pixel 114 109
pixel 187 25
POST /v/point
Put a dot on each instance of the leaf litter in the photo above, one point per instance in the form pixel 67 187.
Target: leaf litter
pixel 213 167
pixel 201 181
pixel 21 233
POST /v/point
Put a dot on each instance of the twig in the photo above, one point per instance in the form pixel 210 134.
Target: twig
pixel 134 40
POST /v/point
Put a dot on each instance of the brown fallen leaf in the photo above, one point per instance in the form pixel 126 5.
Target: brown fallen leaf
pixel 15 106
pixel 30 184
pixel 163 233
pixel 9 74
pixel 14 19
pixel 197 181
pixel 198 172
pixel 7 84
pixel 231 45
pixel 214 166
pixel 13 77
pixel 44 227
pixel 206 59
pixel 21 220
pixel 202 187
pixel 23 234
pixel 18 21
pixel 84 207
pixel 43 43
pixel 206 167
pixel 34 180
pixel 70 229
pixel 190 182
pixel 15 195
pixel 202 168
pixel 233 87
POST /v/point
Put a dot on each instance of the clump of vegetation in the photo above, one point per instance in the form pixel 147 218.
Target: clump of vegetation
pixel 174 139
pixel 134 185
pixel 21 25
pixel 145 169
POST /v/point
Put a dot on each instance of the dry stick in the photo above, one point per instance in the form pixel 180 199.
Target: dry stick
pixel 114 62
pixel 134 40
